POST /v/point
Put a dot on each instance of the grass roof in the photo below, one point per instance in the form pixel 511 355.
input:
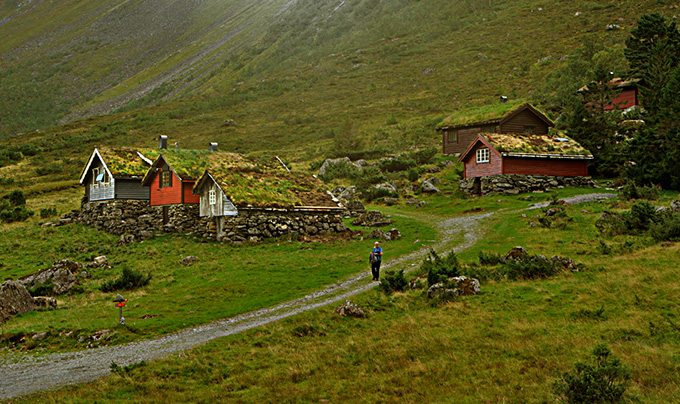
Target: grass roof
pixel 535 144
pixel 272 188
pixel 191 164
pixel 482 114
pixel 124 161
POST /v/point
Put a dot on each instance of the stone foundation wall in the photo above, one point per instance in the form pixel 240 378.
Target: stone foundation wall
pixel 516 184
pixel 142 220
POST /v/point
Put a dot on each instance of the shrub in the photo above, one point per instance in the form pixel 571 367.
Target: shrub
pixel 640 217
pixel 399 163
pixel 412 174
pixel 48 212
pixel 603 382
pixel 667 229
pixel 16 198
pixel 489 259
pixel 370 175
pixel 423 156
pixel 393 281
pixel 439 268
pixel 340 169
pixel 129 279
pixel 18 214
pixel 370 194
pixel 530 267
pixel 42 289
pixel 631 191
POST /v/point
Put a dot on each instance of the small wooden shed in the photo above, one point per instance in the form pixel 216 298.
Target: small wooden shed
pixel 500 153
pixel 115 173
pixel 461 128
pixel 627 94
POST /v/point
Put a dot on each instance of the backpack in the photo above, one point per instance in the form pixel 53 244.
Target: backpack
pixel 371 258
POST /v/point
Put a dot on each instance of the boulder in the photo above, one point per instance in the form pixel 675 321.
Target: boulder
pixel 14 299
pixel 566 263
pixel 126 238
pixel 98 262
pixel 393 234
pixel 45 302
pixel 62 279
pixel 387 186
pixel 675 206
pixel 71 266
pixel 454 287
pixel 390 201
pixel 189 260
pixel 348 194
pixel 428 186
pixel 419 282
pixel 372 218
pixel 377 233
pixel 355 208
pixel 514 254
pixel 349 309
pixel 330 162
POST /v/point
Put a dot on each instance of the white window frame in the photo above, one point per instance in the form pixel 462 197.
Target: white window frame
pixel 483 155
pixel 95 174
pixel 212 197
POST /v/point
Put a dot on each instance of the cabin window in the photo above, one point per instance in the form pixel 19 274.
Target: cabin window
pixel 483 155
pixel 452 136
pixel 95 176
pixel 529 130
pixel 166 179
pixel 212 196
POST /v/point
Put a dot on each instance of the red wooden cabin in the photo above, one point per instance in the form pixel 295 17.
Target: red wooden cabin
pixel 627 94
pixel 496 153
pixel 171 178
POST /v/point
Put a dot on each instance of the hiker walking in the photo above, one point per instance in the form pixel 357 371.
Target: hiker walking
pixel 376 259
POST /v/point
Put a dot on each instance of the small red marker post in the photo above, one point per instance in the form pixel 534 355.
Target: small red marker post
pixel 120 303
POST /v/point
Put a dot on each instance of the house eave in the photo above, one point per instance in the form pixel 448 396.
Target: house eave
pixel 549 156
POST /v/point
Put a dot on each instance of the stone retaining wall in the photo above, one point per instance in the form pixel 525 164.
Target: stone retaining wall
pixel 142 220
pixel 516 184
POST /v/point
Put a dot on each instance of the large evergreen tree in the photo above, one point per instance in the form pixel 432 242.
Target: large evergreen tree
pixel 653 51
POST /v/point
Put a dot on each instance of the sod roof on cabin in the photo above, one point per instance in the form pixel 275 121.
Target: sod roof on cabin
pixel 125 161
pixel 191 164
pixel 480 115
pixel 535 144
pixel 271 188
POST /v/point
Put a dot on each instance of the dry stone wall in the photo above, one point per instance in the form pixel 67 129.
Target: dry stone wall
pixel 143 221
pixel 516 184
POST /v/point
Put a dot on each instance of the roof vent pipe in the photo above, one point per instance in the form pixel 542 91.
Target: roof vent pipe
pixel 163 142
pixel 213 146
pixel 503 99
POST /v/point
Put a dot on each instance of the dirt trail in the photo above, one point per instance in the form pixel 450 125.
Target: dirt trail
pixel 24 374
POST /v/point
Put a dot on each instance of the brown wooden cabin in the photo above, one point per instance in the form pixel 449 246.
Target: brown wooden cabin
pixel 627 94
pixel 459 132
pixel 115 173
pixel 499 153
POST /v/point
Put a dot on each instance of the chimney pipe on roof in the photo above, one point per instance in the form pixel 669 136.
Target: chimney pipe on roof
pixel 503 99
pixel 213 146
pixel 162 142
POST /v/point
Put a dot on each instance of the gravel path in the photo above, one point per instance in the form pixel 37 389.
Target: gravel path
pixel 24 374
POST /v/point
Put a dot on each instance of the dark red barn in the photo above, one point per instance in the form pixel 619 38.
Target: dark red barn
pixel 172 176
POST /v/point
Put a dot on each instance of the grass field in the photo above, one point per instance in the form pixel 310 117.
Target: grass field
pixel 508 344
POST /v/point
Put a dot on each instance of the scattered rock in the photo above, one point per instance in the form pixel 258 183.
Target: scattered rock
pixel 387 186
pixel 189 260
pixel 61 277
pixel 330 162
pixel 612 27
pixel 377 233
pixel 514 254
pixel 566 263
pixel 98 262
pixel 421 204
pixel 14 299
pixel 355 208
pixel 372 218
pixel 429 186
pixel 45 302
pixel 458 286
pixel 39 336
pixel 349 309
pixel 71 266
pixel 418 283
pixel 393 234
pixel 391 201
pixel 126 239
pixel 675 206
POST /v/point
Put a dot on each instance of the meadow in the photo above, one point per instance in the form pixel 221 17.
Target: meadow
pixel 508 344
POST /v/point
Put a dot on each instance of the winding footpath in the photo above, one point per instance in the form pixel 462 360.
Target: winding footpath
pixel 25 374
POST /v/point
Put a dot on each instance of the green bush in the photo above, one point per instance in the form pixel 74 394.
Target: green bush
pixel 641 217
pixel 399 163
pixel 42 289
pixel 48 212
pixel 16 198
pixel 439 268
pixel 666 229
pixel 371 194
pixel 603 382
pixel 531 267
pixel 489 259
pixel 393 281
pixel 412 174
pixel 18 214
pixel 370 175
pixel 423 156
pixel 631 191
pixel 129 279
